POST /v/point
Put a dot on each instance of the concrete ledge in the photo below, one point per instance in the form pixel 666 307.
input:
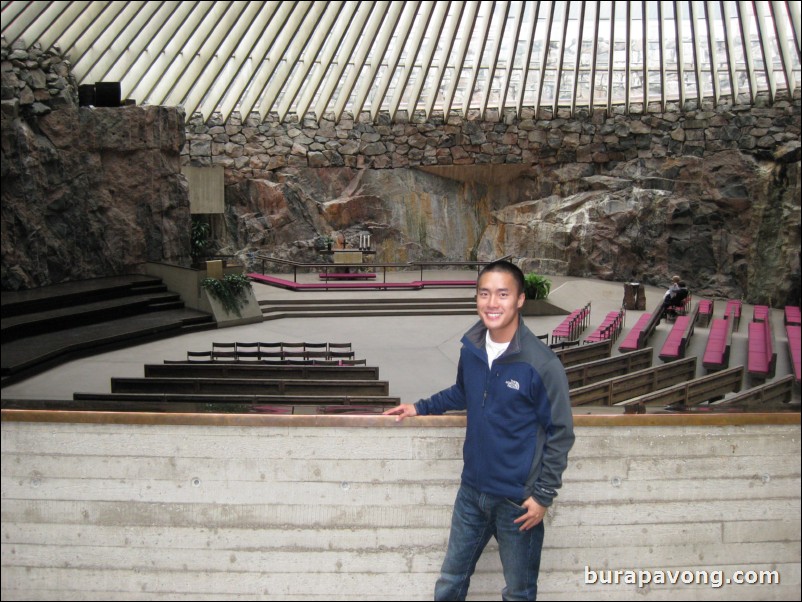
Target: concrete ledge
pixel 456 420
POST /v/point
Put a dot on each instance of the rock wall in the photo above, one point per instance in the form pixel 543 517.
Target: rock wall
pixel 87 192
pixel 711 193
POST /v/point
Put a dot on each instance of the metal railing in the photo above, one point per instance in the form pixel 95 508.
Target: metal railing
pixel 325 267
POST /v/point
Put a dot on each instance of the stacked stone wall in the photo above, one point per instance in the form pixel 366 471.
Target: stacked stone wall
pixel 253 148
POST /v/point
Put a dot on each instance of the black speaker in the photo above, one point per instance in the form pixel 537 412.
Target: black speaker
pixel 107 94
pixel 86 95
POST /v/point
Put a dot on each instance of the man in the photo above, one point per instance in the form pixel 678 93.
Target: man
pixel 520 430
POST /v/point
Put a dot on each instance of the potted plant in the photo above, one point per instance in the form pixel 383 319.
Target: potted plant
pixel 536 291
pixel 536 286
pixel 230 291
pixel 200 242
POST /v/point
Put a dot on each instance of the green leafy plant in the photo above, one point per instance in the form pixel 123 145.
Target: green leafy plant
pixel 229 290
pixel 536 286
pixel 199 239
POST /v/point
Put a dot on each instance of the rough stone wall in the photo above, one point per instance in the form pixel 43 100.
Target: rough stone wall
pixel 86 192
pixel 710 192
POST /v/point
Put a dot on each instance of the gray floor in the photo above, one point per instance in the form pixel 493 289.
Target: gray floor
pixel 417 355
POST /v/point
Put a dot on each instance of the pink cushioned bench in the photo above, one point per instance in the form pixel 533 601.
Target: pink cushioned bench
pixel 733 312
pixel 759 313
pixel 761 357
pixel 793 315
pixel 631 341
pixel 347 276
pixel 794 332
pixel 717 350
pixel 676 341
pixel 705 312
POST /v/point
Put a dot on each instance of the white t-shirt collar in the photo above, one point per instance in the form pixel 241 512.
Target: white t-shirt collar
pixel 494 350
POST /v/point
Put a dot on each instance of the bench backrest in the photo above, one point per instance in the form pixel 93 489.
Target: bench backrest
pixel 232 399
pixel 775 392
pixel 733 312
pixel 585 353
pixel 260 370
pixel 249 386
pixel 688 332
pixel 693 392
pixel 620 388
pixel 647 331
pixel 591 372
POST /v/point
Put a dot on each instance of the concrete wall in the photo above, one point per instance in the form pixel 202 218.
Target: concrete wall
pixel 280 508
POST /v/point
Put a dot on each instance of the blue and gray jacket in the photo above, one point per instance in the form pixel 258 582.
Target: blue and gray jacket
pixel 520 426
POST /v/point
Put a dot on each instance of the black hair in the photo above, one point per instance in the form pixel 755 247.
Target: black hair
pixel 502 265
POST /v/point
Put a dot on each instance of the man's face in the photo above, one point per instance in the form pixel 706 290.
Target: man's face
pixel 497 302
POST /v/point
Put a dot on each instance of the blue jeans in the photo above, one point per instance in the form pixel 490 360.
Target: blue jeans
pixel 477 517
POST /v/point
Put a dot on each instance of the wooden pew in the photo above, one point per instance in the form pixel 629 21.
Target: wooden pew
pixel 584 353
pixel 347 275
pixel 762 355
pixel 591 372
pixel 676 342
pixel 235 404
pixel 719 343
pixel 732 311
pixel 241 386
pixel 614 390
pixel 772 395
pixel 706 309
pixel 690 393
pixel 260 370
pixel 651 325
pixel 794 333
pixel 633 338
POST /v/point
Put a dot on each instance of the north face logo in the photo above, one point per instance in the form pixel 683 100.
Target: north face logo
pixel 513 384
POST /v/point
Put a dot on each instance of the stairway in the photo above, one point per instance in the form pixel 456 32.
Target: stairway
pixel 51 325
pixel 330 308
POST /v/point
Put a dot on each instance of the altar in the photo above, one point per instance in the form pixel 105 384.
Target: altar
pixel 349 256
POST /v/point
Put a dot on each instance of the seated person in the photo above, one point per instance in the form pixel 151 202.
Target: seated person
pixel 672 302
pixel 672 290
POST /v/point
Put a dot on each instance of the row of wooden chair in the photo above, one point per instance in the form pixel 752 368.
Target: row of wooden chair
pixel 572 326
pixel 279 351
pixel 610 328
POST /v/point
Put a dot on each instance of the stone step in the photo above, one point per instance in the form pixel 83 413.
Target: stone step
pixel 362 313
pixel 327 308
